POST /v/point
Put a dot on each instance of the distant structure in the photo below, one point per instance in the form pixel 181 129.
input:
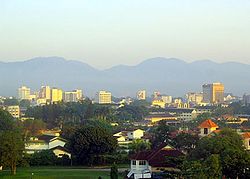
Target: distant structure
pixel 213 93
pixel 14 111
pixel 72 96
pixel 24 93
pixel 56 95
pixel 45 93
pixel 246 99
pixel 167 99
pixel 156 95
pixel 158 103
pixel 103 97
pixel 141 95
pixel 195 98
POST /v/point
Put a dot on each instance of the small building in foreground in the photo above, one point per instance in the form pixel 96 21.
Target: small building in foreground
pixel 143 163
pixel 207 127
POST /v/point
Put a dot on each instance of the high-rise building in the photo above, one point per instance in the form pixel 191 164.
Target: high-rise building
pixel 103 97
pixel 45 93
pixel 24 93
pixel 141 95
pixel 194 97
pixel 56 95
pixel 79 95
pixel 246 99
pixel 72 96
pixel 213 93
pixel 14 111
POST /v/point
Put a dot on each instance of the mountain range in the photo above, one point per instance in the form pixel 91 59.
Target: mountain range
pixel 167 75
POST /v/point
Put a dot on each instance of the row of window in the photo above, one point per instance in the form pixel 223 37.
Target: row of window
pixel 141 162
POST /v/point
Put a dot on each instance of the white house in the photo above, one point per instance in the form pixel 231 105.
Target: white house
pixel 124 138
pixel 47 142
pixel 143 163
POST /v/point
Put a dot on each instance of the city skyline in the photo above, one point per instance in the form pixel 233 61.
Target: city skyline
pixel 125 32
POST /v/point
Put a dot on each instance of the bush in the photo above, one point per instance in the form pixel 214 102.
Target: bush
pixel 43 158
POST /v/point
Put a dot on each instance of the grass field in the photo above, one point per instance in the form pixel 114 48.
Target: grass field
pixel 57 173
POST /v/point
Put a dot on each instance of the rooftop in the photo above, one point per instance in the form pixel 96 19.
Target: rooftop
pixel 208 124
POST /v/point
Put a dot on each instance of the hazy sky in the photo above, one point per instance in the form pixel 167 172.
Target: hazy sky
pixel 110 32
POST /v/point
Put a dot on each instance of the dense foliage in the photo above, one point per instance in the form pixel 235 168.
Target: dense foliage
pixel 12 145
pixel 87 143
pixel 54 115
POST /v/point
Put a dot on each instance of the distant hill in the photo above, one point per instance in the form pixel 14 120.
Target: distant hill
pixel 169 76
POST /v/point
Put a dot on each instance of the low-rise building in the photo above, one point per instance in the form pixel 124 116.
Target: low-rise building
pixel 185 114
pixel 143 163
pixel 158 103
pixel 124 138
pixel 47 142
pixel 156 117
pixel 207 127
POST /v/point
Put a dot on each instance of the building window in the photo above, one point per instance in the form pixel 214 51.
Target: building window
pixel 133 162
pixel 142 162
pixel 205 131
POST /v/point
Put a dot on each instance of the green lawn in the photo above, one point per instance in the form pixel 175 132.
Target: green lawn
pixel 57 173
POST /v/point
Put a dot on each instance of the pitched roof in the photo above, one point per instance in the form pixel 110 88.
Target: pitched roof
pixel 48 138
pixel 60 148
pixel 246 135
pixel 156 158
pixel 208 124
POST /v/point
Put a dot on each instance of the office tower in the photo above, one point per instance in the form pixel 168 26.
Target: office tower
pixel 72 96
pixel 56 95
pixel 194 97
pixel 141 95
pixel 24 93
pixel 45 93
pixel 14 111
pixel 213 93
pixel 103 97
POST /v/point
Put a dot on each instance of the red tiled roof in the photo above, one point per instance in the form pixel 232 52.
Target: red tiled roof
pixel 157 157
pixel 246 135
pixel 208 124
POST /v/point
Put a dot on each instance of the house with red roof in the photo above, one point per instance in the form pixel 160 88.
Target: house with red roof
pixel 207 127
pixel 143 163
pixel 246 140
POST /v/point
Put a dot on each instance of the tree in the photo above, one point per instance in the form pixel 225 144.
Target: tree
pixel 25 103
pixel 6 121
pixel 162 133
pixel 33 127
pixel 193 170
pixel 235 163
pixel 88 142
pixel 213 166
pixel 114 172
pixel 229 147
pixel 139 145
pixel 185 142
pixel 11 102
pixel 43 158
pixel 11 149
